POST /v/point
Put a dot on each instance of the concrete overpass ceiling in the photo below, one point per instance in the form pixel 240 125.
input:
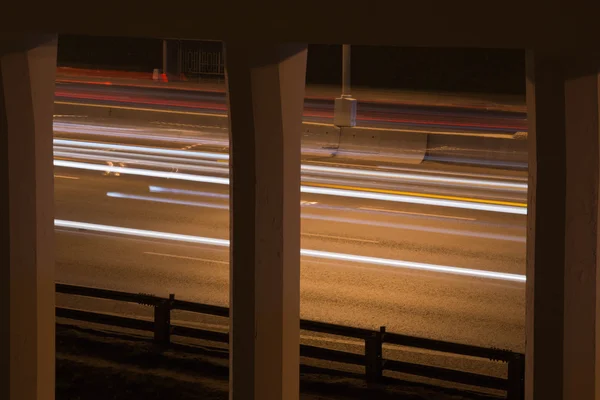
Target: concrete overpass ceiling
pixel 461 23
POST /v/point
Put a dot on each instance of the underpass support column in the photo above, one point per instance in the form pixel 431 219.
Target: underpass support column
pixel 563 312
pixel 27 323
pixel 266 95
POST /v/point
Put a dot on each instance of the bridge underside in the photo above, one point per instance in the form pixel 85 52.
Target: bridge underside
pixel 564 161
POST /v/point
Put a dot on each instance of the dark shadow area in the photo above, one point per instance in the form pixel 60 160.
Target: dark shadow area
pixel 496 71
pixel 97 364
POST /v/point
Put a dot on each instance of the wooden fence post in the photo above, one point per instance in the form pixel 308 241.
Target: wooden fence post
pixel 162 321
pixel 516 378
pixel 373 355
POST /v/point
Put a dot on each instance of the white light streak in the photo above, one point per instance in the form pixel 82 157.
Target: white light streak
pixel 142 149
pixel 305 189
pixel 160 189
pixel 416 200
pixel 304 252
pixel 142 172
pixel 168 201
pixel 417 177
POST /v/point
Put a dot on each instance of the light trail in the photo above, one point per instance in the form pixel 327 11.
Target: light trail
pixel 160 189
pixel 415 200
pixel 303 252
pixel 117 158
pixel 352 221
pixel 142 149
pixel 84 153
pixel 167 201
pixel 416 177
pixel 499 184
pixel 364 194
pixel 420 228
pixel 140 233
pixel 141 172
pixel 117 132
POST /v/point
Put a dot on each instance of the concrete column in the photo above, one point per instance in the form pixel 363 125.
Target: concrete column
pixel 266 97
pixel 563 309
pixel 27 71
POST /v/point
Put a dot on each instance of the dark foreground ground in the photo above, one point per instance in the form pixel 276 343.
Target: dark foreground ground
pixel 96 364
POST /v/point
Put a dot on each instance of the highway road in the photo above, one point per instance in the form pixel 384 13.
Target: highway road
pixel 429 250
pixel 376 114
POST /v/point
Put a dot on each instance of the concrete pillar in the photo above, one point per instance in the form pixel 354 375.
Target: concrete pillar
pixel 27 70
pixel 563 309
pixel 266 96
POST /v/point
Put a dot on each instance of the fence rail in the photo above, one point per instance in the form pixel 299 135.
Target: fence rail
pixel 372 359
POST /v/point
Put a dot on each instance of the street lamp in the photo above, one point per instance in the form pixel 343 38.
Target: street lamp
pixel 344 113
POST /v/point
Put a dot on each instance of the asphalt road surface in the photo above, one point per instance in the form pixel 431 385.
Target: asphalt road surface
pixel 431 250
pixel 405 116
pixel 465 219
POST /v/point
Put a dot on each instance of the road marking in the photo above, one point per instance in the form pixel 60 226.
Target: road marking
pixel 336 163
pixel 66 177
pixel 414 194
pixel 416 213
pixel 185 257
pixel 340 238
pixel 141 109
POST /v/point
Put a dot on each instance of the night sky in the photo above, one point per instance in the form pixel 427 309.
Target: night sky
pixel 457 70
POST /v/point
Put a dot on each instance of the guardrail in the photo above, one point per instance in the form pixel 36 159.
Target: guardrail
pixel 372 358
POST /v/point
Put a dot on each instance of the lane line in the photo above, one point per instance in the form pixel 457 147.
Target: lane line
pixel 141 109
pixel 340 238
pixel 416 213
pixel 160 189
pixel 303 252
pixel 66 177
pixel 335 163
pixel 185 257
pixel 419 228
pixel 167 201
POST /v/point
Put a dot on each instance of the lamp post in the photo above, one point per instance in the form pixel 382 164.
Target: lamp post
pixel 344 113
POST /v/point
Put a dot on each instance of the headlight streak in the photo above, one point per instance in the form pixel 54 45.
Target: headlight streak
pixel 142 149
pixel 351 221
pixel 304 189
pixel 141 172
pixel 417 177
pixel 303 252
pixel 497 184
pixel 415 200
pixel 167 201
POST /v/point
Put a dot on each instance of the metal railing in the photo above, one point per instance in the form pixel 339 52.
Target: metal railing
pixel 372 358
pixel 194 61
